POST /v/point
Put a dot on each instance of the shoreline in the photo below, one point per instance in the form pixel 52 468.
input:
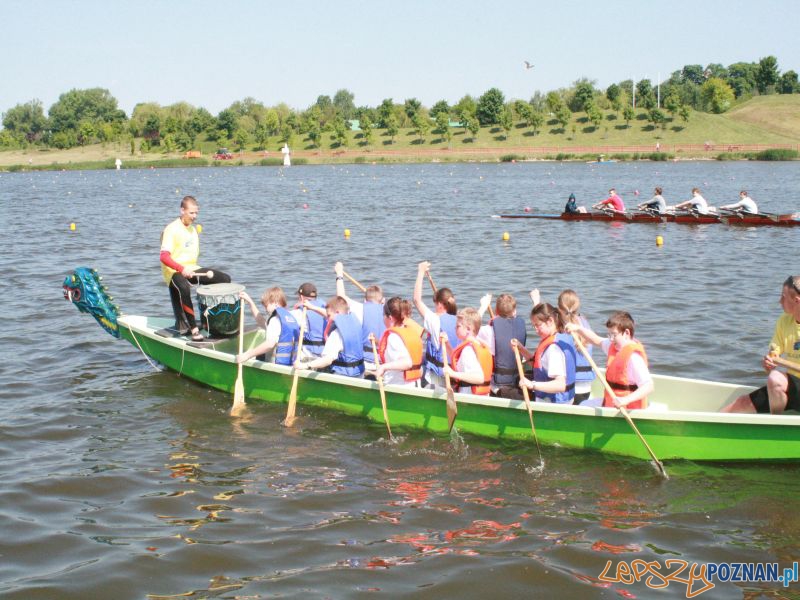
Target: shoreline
pixel 103 158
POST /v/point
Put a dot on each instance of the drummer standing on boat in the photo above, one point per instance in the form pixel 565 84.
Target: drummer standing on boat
pixel 180 251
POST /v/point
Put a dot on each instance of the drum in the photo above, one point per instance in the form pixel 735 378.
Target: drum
pixel 219 308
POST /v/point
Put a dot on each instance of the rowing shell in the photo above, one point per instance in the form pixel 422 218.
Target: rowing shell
pixel 744 219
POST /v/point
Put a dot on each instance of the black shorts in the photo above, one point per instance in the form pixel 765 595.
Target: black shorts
pixel 760 398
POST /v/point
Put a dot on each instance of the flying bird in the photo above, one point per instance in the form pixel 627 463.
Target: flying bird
pixel 528 65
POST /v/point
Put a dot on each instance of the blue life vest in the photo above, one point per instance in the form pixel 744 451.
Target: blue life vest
pixel 567 345
pixel 286 348
pixel 314 336
pixel 350 361
pixel 505 363
pixel 433 354
pixel 372 323
pixel 583 370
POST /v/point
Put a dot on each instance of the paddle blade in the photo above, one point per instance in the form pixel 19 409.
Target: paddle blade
pixel 452 409
pixel 289 420
pixel 238 397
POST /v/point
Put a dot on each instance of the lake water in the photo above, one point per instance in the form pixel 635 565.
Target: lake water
pixel 120 481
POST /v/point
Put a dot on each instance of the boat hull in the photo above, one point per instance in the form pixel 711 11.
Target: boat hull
pixel 787 220
pixel 681 432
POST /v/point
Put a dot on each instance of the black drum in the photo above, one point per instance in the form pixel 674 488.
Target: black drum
pixel 219 308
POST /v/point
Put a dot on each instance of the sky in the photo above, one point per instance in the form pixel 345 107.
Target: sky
pixel 213 53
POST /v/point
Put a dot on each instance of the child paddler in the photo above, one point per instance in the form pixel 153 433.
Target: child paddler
pixel 369 313
pixel 280 327
pixel 343 352
pixel 502 328
pixel 400 349
pixel 440 320
pixel 471 363
pixel 554 359
pixel 316 323
pixel 627 372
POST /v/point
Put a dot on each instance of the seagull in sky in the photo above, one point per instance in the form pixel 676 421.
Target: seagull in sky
pixel 528 65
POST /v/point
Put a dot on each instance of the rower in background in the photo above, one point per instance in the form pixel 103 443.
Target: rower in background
pixel 656 203
pixel 696 203
pixel 745 204
pixel 572 206
pixel 613 201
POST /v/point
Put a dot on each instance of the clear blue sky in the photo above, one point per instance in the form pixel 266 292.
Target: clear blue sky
pixel 212 53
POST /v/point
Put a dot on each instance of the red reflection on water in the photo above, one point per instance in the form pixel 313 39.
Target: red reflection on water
pixel 494 502
pixel 483 530
pixel 601 546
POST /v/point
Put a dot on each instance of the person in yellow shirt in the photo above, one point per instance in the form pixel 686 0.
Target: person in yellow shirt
pixel 782 391
pixel 180 251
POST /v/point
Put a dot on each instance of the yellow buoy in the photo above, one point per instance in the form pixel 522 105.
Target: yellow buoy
pixel 346 233
pixel 72 227
pixel 199 228
pixel 506 237
pixel 659 240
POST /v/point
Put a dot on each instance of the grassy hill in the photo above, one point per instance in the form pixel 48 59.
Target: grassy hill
pixel 763 120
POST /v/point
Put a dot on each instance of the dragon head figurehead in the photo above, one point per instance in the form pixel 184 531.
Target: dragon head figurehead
pixel 83 288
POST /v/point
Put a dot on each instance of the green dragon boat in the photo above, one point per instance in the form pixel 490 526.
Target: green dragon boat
pixel 683 421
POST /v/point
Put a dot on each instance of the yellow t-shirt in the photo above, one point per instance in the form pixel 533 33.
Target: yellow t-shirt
pixel 182 243
pixel 786 340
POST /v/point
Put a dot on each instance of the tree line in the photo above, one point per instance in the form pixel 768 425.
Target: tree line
pixel 82 117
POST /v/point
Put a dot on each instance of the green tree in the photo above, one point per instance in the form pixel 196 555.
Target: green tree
pixel 584 96
pixel 95 105
pixel 613 93
pixel 86 132
pixel 366 128
pixel 788 83
pixel 314 133
pixel 26 121
pixel 391 127
pixel 563 116
pixel 422 125
pixel 672 103
pixel 465 110
pixel 523 110
pixel 684 112
pixel 240 138
pixel 693 74
pixel 506 121
pixel 340 136
pixel 440 107
pixel 628 114
pixel 343 102
pixel 595 115
pixel 226 120
pixel 489 107
pixel 443 126
pixel 717 95
pixel 656 117
pixel 535 121
pixel 385 110
pixel 412 106
pixel 742 78
pixel 474 126
pixel 767 75
pixel 645 97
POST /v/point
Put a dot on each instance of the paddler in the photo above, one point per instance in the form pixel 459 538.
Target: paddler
pixel 281 328
pixel 471 363
pixel 745 204
pixel 613 201
pixel 343 351
pixel 502 328
pixel 316 323
pixel 369 313
pixel 696 203
pixel 782 391
pixel 400 349
pixel 180 251
pixel 441 319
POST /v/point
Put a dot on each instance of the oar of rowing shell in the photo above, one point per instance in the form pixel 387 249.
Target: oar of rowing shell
pixel 238 387
pixel 354 282
pixel 527 398
pixel 289 420
pixel 452 407
pixel 786 363
pixel 622 409
pixel 377 360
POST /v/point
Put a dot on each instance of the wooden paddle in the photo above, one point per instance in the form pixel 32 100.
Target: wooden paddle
pixel 786 363
pixel 289 420
pixel 430 280
pixel 354 282
pixel 380 385
pixel 622 409
pixel 238 387
pixel 527 398
pixel 452 407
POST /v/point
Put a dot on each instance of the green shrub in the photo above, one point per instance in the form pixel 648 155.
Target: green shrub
pixel 659 156
pixel 777 154
pixel 511 158
pixel 564 156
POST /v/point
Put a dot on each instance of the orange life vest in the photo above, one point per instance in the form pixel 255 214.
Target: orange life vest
pixel 484 358
pixel 412 342
pixel 414 326
pixel 617 373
